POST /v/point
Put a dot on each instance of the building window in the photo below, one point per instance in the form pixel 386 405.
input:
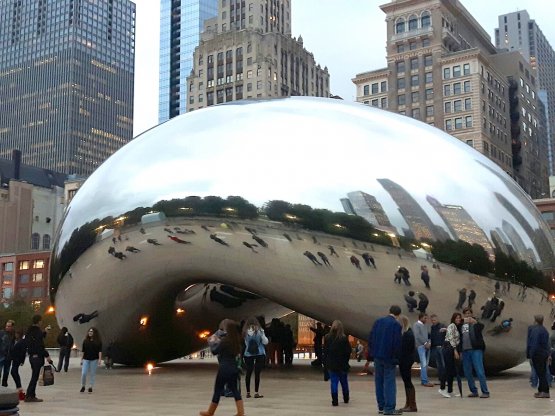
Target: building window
pixel 447 90
pixel 37 277
pixel 23 278
pixel 8 267
pixel 400 26
pixel 24 265
pixel 429 78
pixel 400 83
pixel 429 93
pixel 448 125
pixel 37 292
pixel 35 241
pixel 446 73
pixel 383 86
pixel 38 264
pixel 428 60
pixel 429 111
pixel 412 46
pixel 457 106
pixel 400 48
pixel 375 102
pixel 416 113
pixel 456 88
pixel 414 81
pixel 414 97
pixel 375 88
pixel 425 19
pixel 466 69
pixel 470 142
pixel 456 71
pixel 401 99
pixel 413 64
pixel 467 86
pixel 413 23
pixel 447 107
pixel 458 123
pixel 468 104
pixel 366 90
pixel 384 103
pixel 425 42
pixel 400 66
pixel 468 121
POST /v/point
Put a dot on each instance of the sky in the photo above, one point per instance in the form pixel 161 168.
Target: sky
pixel 347 36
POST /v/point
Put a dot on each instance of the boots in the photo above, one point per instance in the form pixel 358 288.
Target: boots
pixel 334 399
pixel 240 408
pixel 346 397
pixel 410 405
pixel 211 410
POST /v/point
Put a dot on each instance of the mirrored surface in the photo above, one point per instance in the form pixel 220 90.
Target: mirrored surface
pixel 238 193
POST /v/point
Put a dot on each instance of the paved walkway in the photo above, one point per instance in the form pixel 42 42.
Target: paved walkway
pixel 183 387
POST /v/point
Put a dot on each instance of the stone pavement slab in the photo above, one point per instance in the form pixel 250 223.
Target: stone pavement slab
pixel 183 387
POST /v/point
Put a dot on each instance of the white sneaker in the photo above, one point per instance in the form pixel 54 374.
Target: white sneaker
pixel 457 395
pixel 444 393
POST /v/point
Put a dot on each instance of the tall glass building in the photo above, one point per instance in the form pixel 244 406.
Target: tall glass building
pixel 181 22
pixel 66 81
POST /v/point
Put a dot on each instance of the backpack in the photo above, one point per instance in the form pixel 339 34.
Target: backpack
pixel 252 346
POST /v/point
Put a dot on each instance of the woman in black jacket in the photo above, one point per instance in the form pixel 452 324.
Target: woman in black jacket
pixel 226 344
pixel 337 352
pixel 17 354
pixel 408 349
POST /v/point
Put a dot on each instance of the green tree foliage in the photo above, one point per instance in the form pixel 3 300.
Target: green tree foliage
pixel 471 257
pixel 21 312
pixel 507 268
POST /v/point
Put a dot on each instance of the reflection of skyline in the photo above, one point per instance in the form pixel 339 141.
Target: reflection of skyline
pixel 517 243
pixel 367 206
pixel 419 222
pixel 461 225
pixel 502 244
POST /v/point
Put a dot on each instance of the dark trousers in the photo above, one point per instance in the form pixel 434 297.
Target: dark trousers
pixel 15 373
pixel 226 377
pixel 539 361
pixel 36 365
pixel 6 371
pixel 436 354
pixel 450 366
pixel 64 358
pixel 404 370
pixel 255 363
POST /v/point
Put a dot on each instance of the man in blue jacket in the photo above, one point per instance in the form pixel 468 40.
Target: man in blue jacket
pixel 538 350
pixel 384 345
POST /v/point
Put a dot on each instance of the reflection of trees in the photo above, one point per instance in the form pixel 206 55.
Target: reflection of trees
pixel 337 223
pixel 507 268
pixel 232 206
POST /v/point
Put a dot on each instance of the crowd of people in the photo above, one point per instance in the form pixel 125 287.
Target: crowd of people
pixel 16 345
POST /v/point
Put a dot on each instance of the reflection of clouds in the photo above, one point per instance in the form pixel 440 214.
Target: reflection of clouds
pixel 301 150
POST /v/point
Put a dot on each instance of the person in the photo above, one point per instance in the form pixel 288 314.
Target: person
pixel 471 298
pixel 437 339
pixel 337 352
pixel 422 302
pixel 226 344
pixel 19 350
pixel 255 354
pixel 65 341
pixel 318 336
pixel 451 353
pixel 422 343
pixel 405 364
pixel 92 355
pixel 538 350
pixel 425 276
pixel 411 302
pixel 6 344
pixel 473 347
pixel 288 345
pixel 462 298
pixel 275 345
pixel 405 275
pixel 359 350
pixel 384 345
pixel 37 355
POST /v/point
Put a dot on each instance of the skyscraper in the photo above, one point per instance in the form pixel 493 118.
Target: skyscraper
pixel 66 81
pixel 518 32
pixel 368 207
pixel 181 22
pixel 247 52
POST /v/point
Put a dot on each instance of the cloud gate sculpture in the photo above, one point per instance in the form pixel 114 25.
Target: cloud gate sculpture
pixel 300 204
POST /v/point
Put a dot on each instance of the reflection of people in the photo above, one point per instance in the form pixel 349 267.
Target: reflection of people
pixel 251 246
pixel 355 262
pixel 178 240
pixel 405 275
pixel 332 251
pixel 132 249
pixel 425 276
pixel 260 241
pixel 153 241
pixel 504 326
pixel 423 302
pixel 312 258
pixel 218 240
pixel 324 258
pixel 411 302
pixel 368 259
pixel 471 298
pixel 462 298
pixel 84 318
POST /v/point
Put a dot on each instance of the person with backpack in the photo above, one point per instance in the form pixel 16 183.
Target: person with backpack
pixel 65 341
pixel 37 353
pixel 255 354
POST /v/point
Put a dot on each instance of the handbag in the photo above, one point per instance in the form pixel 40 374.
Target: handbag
pixel 47 375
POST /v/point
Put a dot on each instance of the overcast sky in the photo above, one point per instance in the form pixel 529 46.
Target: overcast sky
pixel 347 36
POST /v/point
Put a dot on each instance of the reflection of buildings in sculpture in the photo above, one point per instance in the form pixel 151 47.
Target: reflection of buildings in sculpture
pixel 367 207
pixel 539 240
pixel 499 242
pixel 517 242
pixel 461 225
pixel 418 221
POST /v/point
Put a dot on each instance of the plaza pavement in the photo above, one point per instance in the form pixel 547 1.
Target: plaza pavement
pixel 183 387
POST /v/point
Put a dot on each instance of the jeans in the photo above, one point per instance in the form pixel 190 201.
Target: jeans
pixel 92 365
pixel 229 377
pixel 424 356
pixel 335 379
pixel 437 354
pixel 255 363
pixel 5 367
pixel 475 359
pixel 386 389
pixel 15 373
pixel 539 364
pixel 534 375
pixel 36 365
